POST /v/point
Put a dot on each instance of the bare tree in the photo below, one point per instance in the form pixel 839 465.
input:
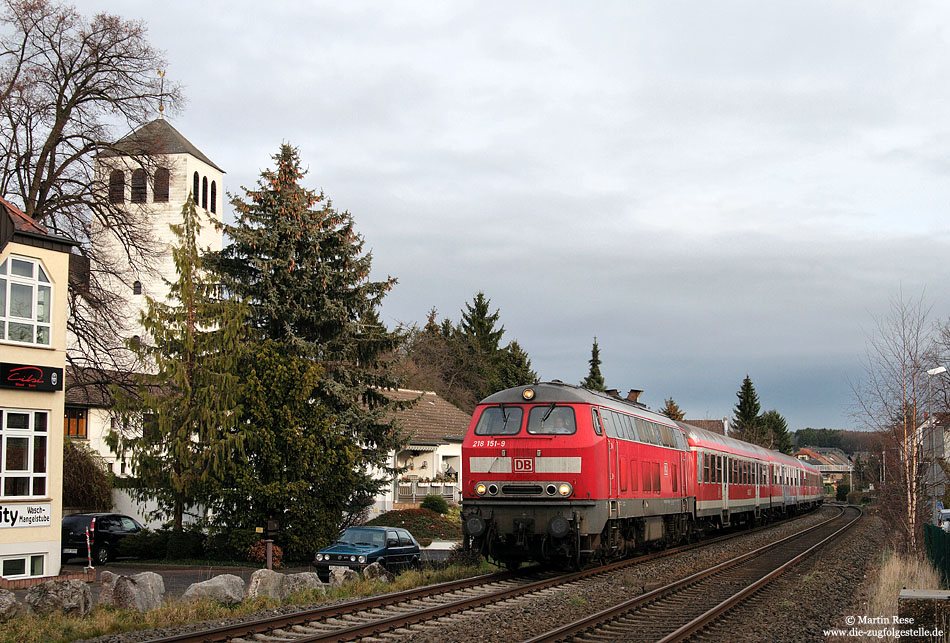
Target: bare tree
pixel 892 401
pixel 69 88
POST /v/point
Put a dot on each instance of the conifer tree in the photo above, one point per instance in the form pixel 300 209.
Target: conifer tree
pixel 594 380
pixel 775 429
pixel 479 325
pixel 746 424
pixel 181 427
pixel 672 410
pixel 299 264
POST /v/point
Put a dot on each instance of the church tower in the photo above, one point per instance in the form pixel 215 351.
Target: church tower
pixel 156 190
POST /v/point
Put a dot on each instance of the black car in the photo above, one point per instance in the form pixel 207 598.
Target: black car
pixel 357 547
pixel 105 532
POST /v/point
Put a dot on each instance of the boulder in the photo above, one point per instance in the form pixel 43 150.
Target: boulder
pixel 142 592
pixel 342 575
pixel 226 588
pixel 67 596
pixel 266 582
pixel 376 571
pixel 300 582
pixel 9 605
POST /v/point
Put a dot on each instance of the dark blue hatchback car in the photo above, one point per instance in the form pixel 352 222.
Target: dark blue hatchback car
pixel 357 547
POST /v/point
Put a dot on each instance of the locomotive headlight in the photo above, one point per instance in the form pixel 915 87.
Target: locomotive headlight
pixel 480 488
pixel 362 559
pixel 565 489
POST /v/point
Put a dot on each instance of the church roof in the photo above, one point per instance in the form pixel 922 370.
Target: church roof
pixel 158 137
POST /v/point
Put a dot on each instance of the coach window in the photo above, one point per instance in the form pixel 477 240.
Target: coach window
pixel 705 467
pixel 551 420
pixel 498 420
pixel 718 471
pixel 595 418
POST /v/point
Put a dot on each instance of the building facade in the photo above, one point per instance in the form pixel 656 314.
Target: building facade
pixel 34 275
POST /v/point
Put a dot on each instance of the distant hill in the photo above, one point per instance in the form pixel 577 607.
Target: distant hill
pixel 847 441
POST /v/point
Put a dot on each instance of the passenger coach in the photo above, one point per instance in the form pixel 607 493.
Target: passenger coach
pixel 554 472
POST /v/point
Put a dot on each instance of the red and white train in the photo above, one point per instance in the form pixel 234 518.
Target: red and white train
pixel 557 473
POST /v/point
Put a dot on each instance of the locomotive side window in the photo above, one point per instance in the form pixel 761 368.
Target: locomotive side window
pixel 656 476
pixel 609 427
pixel 631 428
pixel 645 470
pixel 552 420
pixel 495 421
pixel 633 475
pixel 595 418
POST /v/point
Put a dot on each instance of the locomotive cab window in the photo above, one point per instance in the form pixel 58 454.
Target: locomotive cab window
pixel 496 420
pixel 551 420
pixel 595 418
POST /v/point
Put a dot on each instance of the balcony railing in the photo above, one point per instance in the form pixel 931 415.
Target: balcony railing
pixel 417 491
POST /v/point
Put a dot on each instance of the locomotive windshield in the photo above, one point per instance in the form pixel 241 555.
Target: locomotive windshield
pixel 499 420
pixel 551 420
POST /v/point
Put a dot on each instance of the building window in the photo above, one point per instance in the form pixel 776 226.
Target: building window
pixel 204 193
pixel 214 197
pixel 26 297
pixel 139 186
pixel 25 443
pixel 31 566
pixel 160 189
pixel 194 193
pixel 137 288
pixel 75 422
pixel 117 186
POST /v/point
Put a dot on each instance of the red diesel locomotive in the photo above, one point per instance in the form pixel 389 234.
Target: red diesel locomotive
pixel 558 473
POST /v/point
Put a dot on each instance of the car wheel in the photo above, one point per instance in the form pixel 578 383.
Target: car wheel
pixel 100 555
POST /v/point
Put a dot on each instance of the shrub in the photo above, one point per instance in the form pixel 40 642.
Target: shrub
pixel 461 556
pixel 421 523
pixel 257 553
pixel 86 480
pixel 841 494
pixel 231 544
pixel 145 544
pixel 185 544
pixel 436 503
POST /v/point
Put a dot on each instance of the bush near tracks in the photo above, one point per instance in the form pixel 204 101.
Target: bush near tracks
pixel 421 523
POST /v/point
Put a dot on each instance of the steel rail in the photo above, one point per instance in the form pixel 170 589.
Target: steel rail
pixel 615 611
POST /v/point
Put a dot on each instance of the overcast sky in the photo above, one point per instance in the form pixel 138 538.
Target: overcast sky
pixel 711 189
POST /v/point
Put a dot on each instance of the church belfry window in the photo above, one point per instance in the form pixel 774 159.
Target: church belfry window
pixel 139 186
pixel 137 288
pixel 194 192
pixel 117 186
pixel 204 193
pixel 214 197
pixel 160 190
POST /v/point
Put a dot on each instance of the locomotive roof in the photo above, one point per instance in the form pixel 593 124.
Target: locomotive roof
pixel 560 392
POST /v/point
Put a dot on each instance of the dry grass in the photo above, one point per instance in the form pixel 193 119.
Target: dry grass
pixel 109 620
pixel 896 573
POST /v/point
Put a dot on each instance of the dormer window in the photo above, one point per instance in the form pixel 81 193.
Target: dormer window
pixel 139 186
pixel 117 186
pixel 161 185
pixel 26 300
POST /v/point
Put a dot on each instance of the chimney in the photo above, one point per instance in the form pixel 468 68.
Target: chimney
pixel 634 395
pixel 612 392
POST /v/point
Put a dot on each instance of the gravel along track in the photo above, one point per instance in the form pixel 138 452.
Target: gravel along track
pixel 524 618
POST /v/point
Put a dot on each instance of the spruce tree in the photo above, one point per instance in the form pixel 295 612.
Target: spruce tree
pixel 775 430
pixel 746 424
pixel 672 410
pixel 181 428
pixel 479 325
pixel 594 380
pixel 299 264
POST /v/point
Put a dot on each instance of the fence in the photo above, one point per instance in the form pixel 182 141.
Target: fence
pixel 938 551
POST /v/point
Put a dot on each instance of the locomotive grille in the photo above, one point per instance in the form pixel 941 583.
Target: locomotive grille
pixel 521 489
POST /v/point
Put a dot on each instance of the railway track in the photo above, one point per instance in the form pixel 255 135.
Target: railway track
pixel 683 608
pixel 369 617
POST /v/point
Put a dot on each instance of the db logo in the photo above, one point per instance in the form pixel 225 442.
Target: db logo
pixel 524 465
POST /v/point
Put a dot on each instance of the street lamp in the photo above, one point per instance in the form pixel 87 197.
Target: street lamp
pixel 938 370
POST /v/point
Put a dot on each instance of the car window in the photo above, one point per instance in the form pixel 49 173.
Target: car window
pixel 404 539
pixel 128 524
pixel 391 536
pixel 107 523
pixel 495 422
pixel 356 536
